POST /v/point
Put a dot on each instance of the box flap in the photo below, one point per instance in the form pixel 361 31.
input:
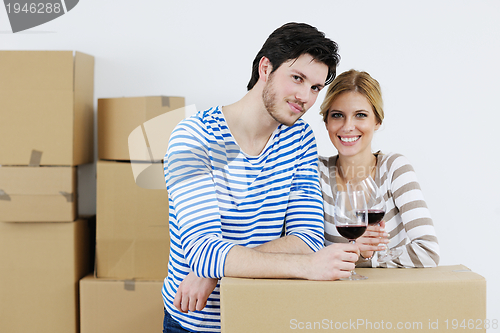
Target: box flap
pixel 376 276
pixel 46 180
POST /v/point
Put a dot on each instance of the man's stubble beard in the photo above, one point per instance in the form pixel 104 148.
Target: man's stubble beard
pixel 269 99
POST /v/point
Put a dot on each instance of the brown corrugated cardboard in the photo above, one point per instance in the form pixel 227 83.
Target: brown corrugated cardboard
pixel 37 194
pixel 132 238
pixel 46 107
pixel 41 264
pixel 413 300
pixel 118 117
pixel 120 306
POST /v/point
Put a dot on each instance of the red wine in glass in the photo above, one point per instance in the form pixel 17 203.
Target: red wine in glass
pixel 375 216
pixel 351 219
pixel 351 232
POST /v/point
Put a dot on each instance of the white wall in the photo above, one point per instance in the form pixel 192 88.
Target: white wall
pixel 437 62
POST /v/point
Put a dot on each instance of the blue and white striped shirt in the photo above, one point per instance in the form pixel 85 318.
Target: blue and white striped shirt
pixel 220 197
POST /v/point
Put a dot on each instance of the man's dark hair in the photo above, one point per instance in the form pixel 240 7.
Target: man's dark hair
pixel 292 40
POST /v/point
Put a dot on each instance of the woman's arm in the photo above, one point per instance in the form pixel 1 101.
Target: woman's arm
pixel 408 202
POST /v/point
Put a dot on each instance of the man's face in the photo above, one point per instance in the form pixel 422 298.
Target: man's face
pixel 293 88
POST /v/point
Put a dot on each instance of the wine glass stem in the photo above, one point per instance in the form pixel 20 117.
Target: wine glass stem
pixel 352 241
pixel 386 247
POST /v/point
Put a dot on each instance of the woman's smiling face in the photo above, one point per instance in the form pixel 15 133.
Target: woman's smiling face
pixel 351 123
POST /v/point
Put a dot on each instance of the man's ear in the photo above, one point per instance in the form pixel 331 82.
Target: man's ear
pixel 265 68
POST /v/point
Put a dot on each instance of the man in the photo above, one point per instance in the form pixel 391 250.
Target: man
pixel 239 176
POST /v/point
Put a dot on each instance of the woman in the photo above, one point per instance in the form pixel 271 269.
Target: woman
pixel 352 112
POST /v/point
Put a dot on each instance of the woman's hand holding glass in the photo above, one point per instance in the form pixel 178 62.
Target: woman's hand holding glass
pixel 376 210
pixel 374 239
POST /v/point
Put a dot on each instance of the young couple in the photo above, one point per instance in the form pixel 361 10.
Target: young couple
pixel 247 191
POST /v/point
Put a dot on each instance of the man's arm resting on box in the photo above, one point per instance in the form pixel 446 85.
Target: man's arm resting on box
pixel 194 291
pixel 330 263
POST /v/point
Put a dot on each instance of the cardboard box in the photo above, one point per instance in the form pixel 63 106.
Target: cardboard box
pixel 413 300
pixel 118 117
pixel 120 306
pixel 132 237
pixel 46 107
pixel 41 264
pixel 38 194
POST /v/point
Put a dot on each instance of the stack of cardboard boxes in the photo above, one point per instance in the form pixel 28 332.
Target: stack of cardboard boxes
pixel 132 236
pixel 46 128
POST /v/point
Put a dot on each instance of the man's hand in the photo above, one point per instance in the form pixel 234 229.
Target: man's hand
pixel 372 240
pixel 333 262
pixel 193 293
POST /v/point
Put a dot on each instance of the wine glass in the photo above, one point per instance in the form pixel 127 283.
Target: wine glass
pixel 376 210
pixel 351 220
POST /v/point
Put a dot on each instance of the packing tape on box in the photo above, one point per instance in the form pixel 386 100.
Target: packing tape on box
pixel 165 101
pixel 4 196
pixel 129 285
pixel 36 158
pixel 68 196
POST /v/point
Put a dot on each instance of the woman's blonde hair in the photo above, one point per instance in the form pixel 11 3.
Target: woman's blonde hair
pixel 357 81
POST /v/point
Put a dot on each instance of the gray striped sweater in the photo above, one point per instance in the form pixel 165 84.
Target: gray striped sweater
pixel 407 218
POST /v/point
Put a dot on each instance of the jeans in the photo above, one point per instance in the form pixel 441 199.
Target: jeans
pixel 170 325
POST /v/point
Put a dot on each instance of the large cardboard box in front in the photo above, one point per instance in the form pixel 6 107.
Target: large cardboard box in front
pixel 38 194
pixel 46 108
pixel 40 266
pixel 409 300
pixel 132 237
pixel 129 306
pixel 152 117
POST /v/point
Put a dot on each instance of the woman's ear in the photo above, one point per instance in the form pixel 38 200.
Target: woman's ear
pixel 377 126
pixel 265 68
